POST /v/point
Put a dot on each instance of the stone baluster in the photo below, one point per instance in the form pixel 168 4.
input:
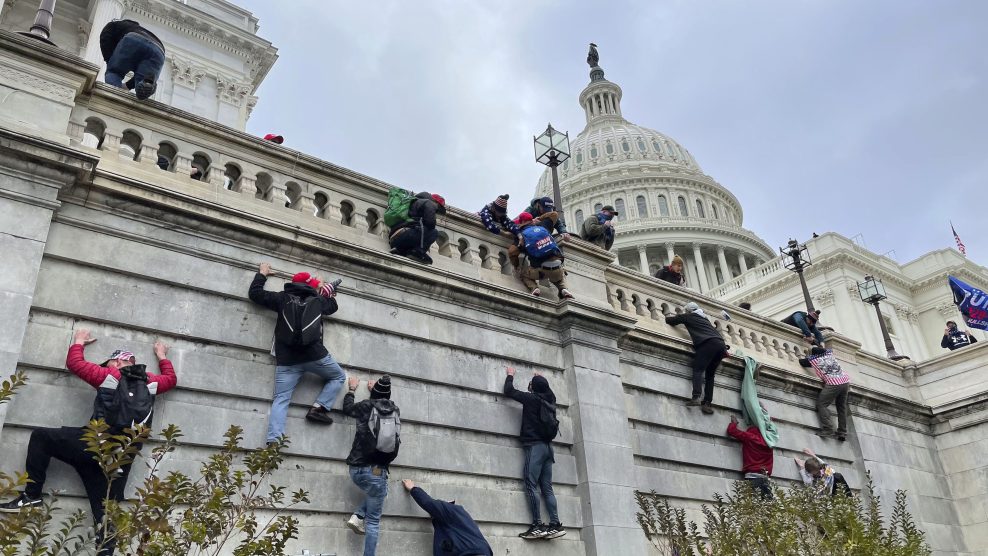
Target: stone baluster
pixel 76 131
pixel 247 186
pixel 217 177
pixel 111 143
pixel 307 204
pixel 183 165
pixel 149 155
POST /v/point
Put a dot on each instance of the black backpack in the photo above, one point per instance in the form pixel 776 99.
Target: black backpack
pixel 547 425
pixel 132 402
pixel 300 322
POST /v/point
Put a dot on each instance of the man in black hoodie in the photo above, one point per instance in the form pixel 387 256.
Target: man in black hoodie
pixel 128 47
pixel 413 237
pixel 455 532
pixel 538 453
pixel 375 446
pixel 293 359
pixel 710 349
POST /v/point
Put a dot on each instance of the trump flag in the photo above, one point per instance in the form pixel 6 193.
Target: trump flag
pixel 971 302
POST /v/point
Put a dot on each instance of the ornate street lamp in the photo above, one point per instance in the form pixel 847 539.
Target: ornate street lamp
pixel 873 291
pixel 796 257
pixel 552 149
pixel 41 29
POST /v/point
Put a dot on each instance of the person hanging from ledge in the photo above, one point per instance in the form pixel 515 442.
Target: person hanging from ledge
pixel 757 457
pixel 545 259
pixel 673 272
pixel 954 338
pixel 539 426
pixel 298 344
pixel 820 476
pixel 412 220
pixel 454 530
pixel 710 349
pixel 128 47
pixel 836 387
pixel 600 230
pixel 543 207
pixel 125 394
pixel 806 322
pixel 494 216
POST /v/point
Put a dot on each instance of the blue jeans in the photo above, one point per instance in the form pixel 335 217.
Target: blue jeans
pixel 538 476
pixel 137 54
pixel 286 379
pixel 376 488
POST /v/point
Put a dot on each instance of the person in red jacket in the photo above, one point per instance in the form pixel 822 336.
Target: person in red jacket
pixel 66 443
pixel 756 457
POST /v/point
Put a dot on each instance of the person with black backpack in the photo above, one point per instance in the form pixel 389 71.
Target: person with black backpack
pixel 125 394
pixel 298 344
pixel 539 425
pixel 375 446
pixel 413 223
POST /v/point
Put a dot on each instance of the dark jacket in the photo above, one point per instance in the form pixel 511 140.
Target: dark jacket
pixel 957 339
pixel 456 533
pixel 495 222
pixel 422 212
pixel 364 450
pixel 284 354
pixel 115 31
pixel 531 403
pixel 699 327
pixel 669 275
pixel 597 233
pixel 558 226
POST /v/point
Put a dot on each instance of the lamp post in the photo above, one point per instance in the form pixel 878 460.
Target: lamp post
pixel 41 30
pixel 873 291
pixel 796 257
pixel 552 149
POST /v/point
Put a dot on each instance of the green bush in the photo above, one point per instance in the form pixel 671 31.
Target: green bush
pixel 797 521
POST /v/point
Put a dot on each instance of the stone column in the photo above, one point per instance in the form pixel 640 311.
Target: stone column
pixel 670 252
pixel 643 259
pixel 32 171
pixel 725 270
pixel 104 11
pixel 605 465
pixel 742 263
pixel 702 273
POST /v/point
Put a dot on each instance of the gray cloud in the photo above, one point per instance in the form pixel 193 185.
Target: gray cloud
pixel 855 117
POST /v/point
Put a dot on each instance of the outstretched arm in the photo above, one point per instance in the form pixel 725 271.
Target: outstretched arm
pixel 509 387
pixel 436 509
pixel 258 294
pixel 167 379
pixel 76 363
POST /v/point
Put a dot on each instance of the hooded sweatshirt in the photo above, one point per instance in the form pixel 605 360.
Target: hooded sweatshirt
pixel 364 452
pixel 531 403
pixel 285 354
pixel 456 533
pixel 697 325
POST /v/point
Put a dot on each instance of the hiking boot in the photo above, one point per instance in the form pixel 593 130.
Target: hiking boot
pixel 536 531
pixel 554 531
pixel 694 402
pixel 319 414
pixel 356 524
pixel 420 256
pixel 17 504
pixel 396 251
pixel 826 434
pixel 564 294
pixel 841 438
pixel 537 292
pixel 706 408
pixel 145 89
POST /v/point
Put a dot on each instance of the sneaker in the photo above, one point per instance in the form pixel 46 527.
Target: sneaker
pixel 554 531
pixel 145 89
pixel 356 524
pixel 706 408
pixel 564 294
pixel 536 531
pixel 319 414
pixel 17 504
pixel 841 438
pixel 694 402
pixel 396 251
pixel 537 292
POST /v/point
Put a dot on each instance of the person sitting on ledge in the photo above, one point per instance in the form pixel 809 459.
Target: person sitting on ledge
pixel 673 272
pixel 414 236
pixel 806 322
pixel 128 47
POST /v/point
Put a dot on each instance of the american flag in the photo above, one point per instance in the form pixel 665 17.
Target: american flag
pixel 957 238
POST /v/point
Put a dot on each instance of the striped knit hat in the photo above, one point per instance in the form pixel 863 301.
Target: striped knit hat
pixel 382 388
pixel 501 203
pixel 120 354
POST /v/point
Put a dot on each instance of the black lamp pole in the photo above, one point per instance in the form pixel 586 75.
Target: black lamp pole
pixel 41 30
pixel 796 258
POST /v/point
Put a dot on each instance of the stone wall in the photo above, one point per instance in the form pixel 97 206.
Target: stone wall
pixel 137 253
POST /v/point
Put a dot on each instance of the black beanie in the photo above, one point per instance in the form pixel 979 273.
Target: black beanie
pixel 382 388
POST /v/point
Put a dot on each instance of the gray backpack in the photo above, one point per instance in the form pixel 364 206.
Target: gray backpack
pixel 385 426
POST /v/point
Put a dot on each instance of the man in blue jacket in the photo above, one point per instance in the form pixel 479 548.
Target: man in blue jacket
pixel 806 322
pixel 456 533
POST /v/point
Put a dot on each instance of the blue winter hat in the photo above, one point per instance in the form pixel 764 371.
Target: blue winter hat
pixel 548 204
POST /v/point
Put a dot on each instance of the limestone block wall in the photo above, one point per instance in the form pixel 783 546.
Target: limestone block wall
pixel 137 253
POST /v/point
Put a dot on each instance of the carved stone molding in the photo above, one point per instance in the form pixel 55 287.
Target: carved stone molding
pixel 947 310
pixel 42 87
pixel 186 73
pixel 825 298
pixel 232 91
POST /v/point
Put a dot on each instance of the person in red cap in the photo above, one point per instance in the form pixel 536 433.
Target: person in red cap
pixel 277 139
pixel 298 344
pixel 413 237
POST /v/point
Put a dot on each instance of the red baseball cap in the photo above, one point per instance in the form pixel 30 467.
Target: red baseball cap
pixel 274 138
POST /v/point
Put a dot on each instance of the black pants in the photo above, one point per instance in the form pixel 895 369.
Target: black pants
pixel 66 444
pixel 708 355
pixel 762 487
pixel 414 238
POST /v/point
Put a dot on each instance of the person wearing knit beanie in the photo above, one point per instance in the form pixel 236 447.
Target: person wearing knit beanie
pixel 381 388
pixel 494 217
pixel 674 272
pixel 298 353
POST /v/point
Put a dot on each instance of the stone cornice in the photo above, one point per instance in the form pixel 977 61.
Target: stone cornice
pixel 664 225
pixel 654 184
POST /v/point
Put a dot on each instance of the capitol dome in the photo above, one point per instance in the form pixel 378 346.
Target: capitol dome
pixel 667 206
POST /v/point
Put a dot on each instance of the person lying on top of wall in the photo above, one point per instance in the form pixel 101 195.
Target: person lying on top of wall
pixel 412 220
pixel 128 47
pixel 806 322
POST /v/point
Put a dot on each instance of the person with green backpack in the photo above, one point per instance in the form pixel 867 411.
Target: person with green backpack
pixel 539 425
pixel 412 220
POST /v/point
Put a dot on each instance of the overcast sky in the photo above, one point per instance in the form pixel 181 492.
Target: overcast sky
pixel 856 117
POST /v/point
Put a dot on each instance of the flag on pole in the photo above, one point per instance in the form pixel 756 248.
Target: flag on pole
pixel 971 302
pixel 957 238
